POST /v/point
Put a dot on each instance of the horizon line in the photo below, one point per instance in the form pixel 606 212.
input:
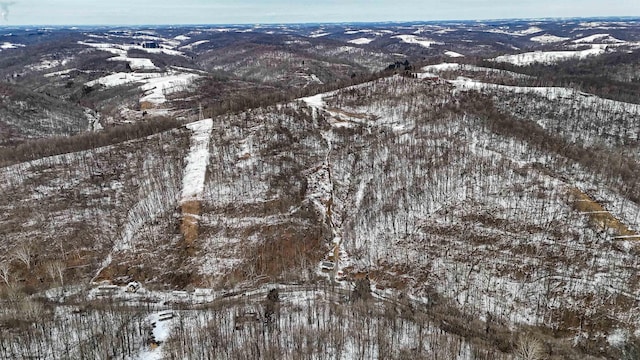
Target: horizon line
pixel 311 23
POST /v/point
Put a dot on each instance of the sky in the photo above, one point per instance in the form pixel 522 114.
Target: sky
pixel 147 12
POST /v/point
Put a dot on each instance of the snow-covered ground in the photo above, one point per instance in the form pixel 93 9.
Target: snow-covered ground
pixel 361 41
pixel 424 196
pixel 245 323
pixel 599 38
pixel 529 31
pixel 197 160
pixel 319 34
pixel 121 55
pixel 156 89
pixel 136 63
pixel 182 38
pixel 548 39
pixel 122 49
pixel 155 86
pixel 453 54
pixel 45 64
pixel 551 93
pixel 549 57
pixel 61 72
pixel 7 46
pixel 429 69
pixel 161 324
pixel 194 44
pixel 375 32
pixel 444 228
pixel 413 39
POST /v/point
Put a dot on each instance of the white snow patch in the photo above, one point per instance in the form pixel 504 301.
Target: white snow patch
pixel 182 38
pixel 155 85
pixel 617 338
pixel 122 78
pixel 162 330
pixel 156 89
pixel 60 73
pixel 548 57
pixel 442 67
pixel 412 39
pixel 426 75
pixel 548 39
pixel 599 37
pixel 194 44
pixel 112 48
pixel 197 160
pixel 315 101
pixel 361 31
pixel 361 41
pixel 453 54
pixel 530 31
pixel 48 64
pixel 136 63
pixel 550 93
pixel 161 324
pixel 320 34
pixel 122 49
pixel 464 67
pixel 315 79
pixel 7 45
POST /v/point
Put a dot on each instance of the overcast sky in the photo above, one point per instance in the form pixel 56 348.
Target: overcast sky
pixel 111 12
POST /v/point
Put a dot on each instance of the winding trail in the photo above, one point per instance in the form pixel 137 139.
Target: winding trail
pixel 326 200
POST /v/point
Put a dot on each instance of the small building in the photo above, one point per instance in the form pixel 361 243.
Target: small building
pixel 133 287
pixel 327 265
pixel 150 45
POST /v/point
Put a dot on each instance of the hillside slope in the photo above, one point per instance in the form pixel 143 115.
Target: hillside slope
pixel 427 187
pixel 484 209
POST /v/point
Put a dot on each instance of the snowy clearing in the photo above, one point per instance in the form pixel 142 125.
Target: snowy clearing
pixel 122 49
pixel 156 89
pixel 136 63
pixel 320 34
pixel 530 31
pixel 548 39
pixel 412 39
pixel 197 160
pixel 61 72
pixel 548 57
pixel 464 67
pixel 7 45
pixel 548 92
pixel 155 85
pixel 453 54
pixel 161 324
pixel 601 38
pixel 194 44
pixel 361 41
pixel 46 64
pixel 122 78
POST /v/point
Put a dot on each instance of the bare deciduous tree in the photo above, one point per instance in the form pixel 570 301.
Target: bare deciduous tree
pixel 23 253
pixel 31 310
pixel 528 348
pixel 55 269
pixel 4 271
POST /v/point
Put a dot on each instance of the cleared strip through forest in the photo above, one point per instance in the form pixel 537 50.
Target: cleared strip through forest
pixel 194 176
